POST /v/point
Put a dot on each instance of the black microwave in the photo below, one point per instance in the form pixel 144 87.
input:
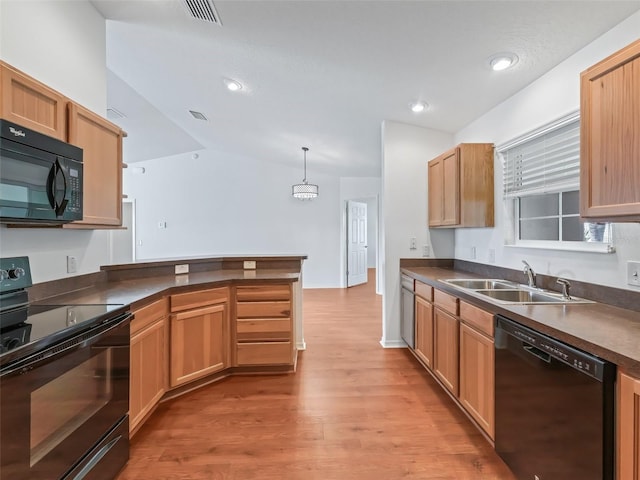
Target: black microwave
pixel 40 177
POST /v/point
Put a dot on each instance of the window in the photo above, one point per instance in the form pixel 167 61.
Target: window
pixel 542 191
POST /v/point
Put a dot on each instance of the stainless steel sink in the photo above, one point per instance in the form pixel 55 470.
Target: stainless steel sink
pixel 506 292
pixel 483 284
pixel 522 296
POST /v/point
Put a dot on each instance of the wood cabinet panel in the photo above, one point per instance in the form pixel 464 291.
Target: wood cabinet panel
pixel 101 142
pixel 263 292
pixel 264 353
pixel 148 371
pixel 445 301
pixel 200 298
pixel 628 428
pixel 198 343
pixel 610 137
pixel 263 309
pixel 263 329
pixel 423 290
pixel 477 318
pixel 148 314
pixel 461 187
pixel 477 382
pixel 31 104
pixel 445 358
pixel 424 331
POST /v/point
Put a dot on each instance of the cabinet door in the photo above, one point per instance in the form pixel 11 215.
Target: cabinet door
pixel 31 104
pixel 628 455
pixel 451 188
pixel 610 137
pixel 148 370
pixel 436 181
pixel 198 343
pixel 477 377
pixel 101 142
pixel 424 331
pixel 445 359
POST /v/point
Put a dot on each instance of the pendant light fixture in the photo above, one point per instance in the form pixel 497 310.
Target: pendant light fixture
pixel 305 190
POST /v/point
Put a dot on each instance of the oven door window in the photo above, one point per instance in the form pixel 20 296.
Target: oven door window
pixel 78 395
pixel 55 410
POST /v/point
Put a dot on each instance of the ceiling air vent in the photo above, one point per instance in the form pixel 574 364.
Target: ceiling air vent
pixel 202 10
pixel 198 115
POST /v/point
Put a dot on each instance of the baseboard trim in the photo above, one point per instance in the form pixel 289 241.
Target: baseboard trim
pixel 393 343
pixel 301 345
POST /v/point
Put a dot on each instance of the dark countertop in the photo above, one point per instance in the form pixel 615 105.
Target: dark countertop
pixel 609 332
pixel 139 291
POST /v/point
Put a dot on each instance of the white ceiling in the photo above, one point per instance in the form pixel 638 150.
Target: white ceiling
pixel 325 74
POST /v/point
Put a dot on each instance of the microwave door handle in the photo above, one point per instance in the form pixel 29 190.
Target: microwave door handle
pixel 60 207
pixel 51 185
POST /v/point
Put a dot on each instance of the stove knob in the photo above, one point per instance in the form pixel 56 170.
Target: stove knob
pixel 13 343
pixel 16 273
pixel 3 275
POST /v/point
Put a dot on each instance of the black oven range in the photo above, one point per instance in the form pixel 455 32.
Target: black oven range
pixel 64 385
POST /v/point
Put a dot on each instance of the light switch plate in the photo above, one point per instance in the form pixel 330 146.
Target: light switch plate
pixel 180 269
pixel 633 273
pixel 249 264
pixel 72 264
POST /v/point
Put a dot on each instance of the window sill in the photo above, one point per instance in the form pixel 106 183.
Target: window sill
pixel 584 247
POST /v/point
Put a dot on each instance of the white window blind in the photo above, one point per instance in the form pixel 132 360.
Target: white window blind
pixel 545 161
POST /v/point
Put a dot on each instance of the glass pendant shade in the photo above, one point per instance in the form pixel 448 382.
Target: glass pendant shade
pixel 305 190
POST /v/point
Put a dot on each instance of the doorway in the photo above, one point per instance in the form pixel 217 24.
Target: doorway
pixel 356 243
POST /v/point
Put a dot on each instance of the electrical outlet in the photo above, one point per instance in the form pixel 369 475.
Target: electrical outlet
pixel 183 268
pixel 426 251
pixel 492 255
pixel 633 273
pixel 472 253
pixel 72 264
pixel 413 243
pixel 162 224
pixel 249 264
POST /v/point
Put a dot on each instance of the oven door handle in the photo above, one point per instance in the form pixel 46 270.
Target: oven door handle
pixel 96 459
pixel 65 347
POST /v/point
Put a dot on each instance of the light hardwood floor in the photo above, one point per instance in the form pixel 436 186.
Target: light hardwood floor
pixel 353 411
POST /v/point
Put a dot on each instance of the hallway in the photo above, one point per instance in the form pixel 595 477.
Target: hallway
pixel 353 411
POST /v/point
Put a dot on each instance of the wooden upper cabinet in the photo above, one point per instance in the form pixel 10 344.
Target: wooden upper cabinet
pixel 610 138
pixel 31 104
pixel 461 187
pixel 101 142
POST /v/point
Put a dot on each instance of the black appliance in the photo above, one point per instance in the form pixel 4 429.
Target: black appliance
pixel 40 177
pixel 407 310
pixel 554 407
pixel 64 385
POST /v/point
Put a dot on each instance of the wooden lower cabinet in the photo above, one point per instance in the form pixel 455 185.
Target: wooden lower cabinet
pixel 477 383
pixel 199 343
pixel 149 362
pixel 628 428
pixel 445 358
pixel 424 331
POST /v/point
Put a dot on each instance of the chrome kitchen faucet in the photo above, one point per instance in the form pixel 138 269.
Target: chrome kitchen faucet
pixel 531 275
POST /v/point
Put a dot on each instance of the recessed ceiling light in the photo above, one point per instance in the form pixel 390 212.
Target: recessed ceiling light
pixel 232 85
pixel 418 107
pixel 502 61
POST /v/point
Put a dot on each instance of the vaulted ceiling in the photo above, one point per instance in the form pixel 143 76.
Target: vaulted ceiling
pixel 325 74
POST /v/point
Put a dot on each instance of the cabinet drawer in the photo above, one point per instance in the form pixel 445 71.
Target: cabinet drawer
pixel 264 353
pixel 425 291
pixel 263 309
pixel 262 293
pixel 446 302
pixel 148 314
pixel 264 329
pixel 185 301
pixel 477 318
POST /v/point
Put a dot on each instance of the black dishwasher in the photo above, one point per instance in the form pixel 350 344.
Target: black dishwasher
pixel 554 407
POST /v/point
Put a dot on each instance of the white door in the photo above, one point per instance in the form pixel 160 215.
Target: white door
pixel 356 243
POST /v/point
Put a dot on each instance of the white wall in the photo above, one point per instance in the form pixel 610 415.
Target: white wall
pixel 63 45
pixel 406 149
pixel 220 204
pixel 366 190
pixel 551 96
